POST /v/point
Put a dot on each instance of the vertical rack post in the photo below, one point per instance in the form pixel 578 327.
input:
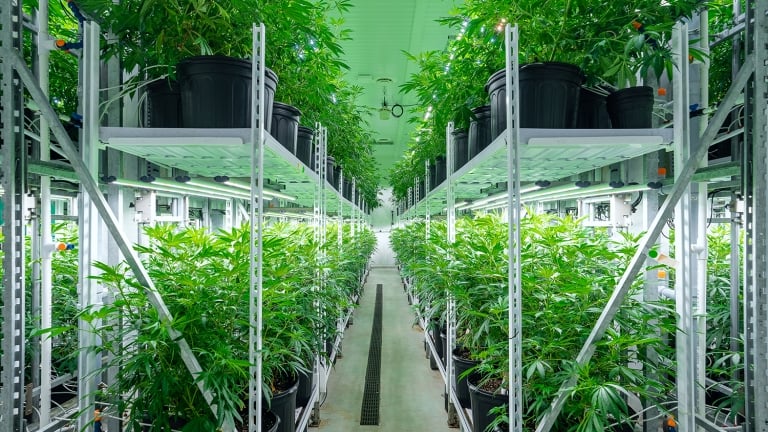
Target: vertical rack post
pixel 756 243
pixel 257 221
pixel 14 186
pixel 88 362
pixel 319 154
pixel 339 227
pixel 323 187
pixel 428 214
pixel 354 213
pixel 45 281
pixel 515 409
pixel 652 420
pixel 453 419
pixel 684 279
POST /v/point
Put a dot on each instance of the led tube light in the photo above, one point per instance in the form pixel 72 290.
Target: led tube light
pixel 267 192
pixel 576 192
pixel 151 186
pixel 192 187
pixel 547 191
pixel 594 193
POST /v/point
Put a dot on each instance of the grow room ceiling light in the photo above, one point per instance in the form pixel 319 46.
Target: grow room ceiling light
pixel 244 186
pixel 175 190
pixel 586 193
pixel 193 186
pixel 267 192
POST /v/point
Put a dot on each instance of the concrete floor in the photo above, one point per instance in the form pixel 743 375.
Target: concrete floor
pixel 411 393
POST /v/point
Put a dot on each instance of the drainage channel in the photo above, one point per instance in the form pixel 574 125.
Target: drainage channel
pixel 369 413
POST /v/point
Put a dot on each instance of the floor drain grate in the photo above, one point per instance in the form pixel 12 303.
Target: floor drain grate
pixel 369 413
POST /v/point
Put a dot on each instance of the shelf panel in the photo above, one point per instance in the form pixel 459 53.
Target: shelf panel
pixel 215 152
pixel 546 154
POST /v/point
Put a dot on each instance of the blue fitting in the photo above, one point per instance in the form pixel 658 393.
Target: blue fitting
pixel 71 45
pixel 76 11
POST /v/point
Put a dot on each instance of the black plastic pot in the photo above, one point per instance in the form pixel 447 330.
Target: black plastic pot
pixel 269 422
pixel 479 136
pixel 285 125
pixel 432 360
pixel 330 164
pixel 216 92
pixel 347 193
pixel 440 170
pixel 482 402
pixel 432 175
pixel 305 150
pixel 461 365
pixel 304 392
pixel 434 333
pixel 549 96
pixel 336 177
pixel 631 108
pixel 460 148
pixel 163 104
pixel 593 112
pixel 284 406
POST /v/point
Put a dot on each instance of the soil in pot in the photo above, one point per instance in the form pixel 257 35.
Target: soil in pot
pixel 305 149
pixel 479 135
pixel 216 92
pixel 631 108
pixel 593 111
pixel 163 104
pixel 285 125
pixel 549 96
pixel 462 363
pixel 460 148
pixel 484 398
pixel 283 402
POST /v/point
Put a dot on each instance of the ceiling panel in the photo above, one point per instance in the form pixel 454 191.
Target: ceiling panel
pixel 381 31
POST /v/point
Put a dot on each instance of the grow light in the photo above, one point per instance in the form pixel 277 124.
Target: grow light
pixel 178 191
pixel 267 192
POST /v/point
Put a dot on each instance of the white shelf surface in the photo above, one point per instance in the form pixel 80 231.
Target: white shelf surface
pixel 545 154
pixel 216 152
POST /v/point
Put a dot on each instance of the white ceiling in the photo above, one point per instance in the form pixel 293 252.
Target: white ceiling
pixel 381 31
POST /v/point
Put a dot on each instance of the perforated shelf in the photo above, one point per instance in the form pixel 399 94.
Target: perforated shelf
pixel 215 152
pixel 546 154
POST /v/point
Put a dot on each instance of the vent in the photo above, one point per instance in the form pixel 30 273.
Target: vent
pixel 369 412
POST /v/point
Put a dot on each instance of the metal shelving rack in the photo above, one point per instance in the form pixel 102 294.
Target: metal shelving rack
pixel 245 158
pixel 533 154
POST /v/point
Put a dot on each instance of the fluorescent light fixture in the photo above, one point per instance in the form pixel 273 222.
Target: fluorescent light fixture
pixel 548 191
pixel 590 192
pixel 152 186
pixel 193 187
pixel 267 192
pixel 577 192
pixel 500 199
